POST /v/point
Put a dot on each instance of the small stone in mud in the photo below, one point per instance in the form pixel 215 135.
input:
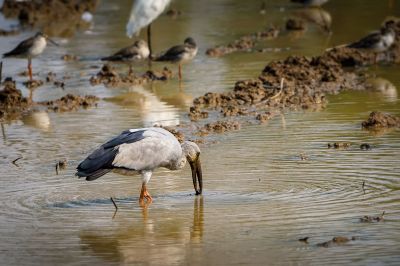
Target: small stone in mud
pixel 337 240
pixel 371 219
pixel 264 117
pixel 303 156
pixel 220 127
pixel 304 239
pixel 196 114
pixel 173 13
pixel 295 24
pixel 59 84
pixel 365 146
pixel 50 76
pixel 379 120
pixel 339 145
pixel 69 57
pixel 32 84
pixel 4 32
pixel 61 165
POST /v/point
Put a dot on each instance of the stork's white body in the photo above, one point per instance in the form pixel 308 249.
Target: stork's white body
pixel 143 13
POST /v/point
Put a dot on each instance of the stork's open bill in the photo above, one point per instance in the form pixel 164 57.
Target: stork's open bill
pixel 141 151
pixel 30 48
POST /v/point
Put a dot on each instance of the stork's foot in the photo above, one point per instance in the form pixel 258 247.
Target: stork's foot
pixel 145 197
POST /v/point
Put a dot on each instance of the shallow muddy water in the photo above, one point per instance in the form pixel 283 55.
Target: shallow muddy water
pixel 259 196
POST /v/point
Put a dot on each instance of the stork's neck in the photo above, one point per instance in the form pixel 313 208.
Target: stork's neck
pixel 179 163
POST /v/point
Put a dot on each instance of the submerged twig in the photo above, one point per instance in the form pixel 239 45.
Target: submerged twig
pixel 14 162
pixel 115 205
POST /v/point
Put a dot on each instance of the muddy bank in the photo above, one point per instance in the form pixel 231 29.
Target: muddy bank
pixel 295 83
pixel 111 78
pixel 379 120
pixel 70 103
pixel 13 104
pixel 244 43
pixel 55 17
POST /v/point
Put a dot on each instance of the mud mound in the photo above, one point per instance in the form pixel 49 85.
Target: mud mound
pixel 219 127
pixel 109 77
pixel 379 120
pixel 55 17
pixel 71 102
pixel 244 43
pixel 12 103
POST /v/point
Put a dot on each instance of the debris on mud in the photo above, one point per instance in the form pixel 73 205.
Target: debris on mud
pixel 219 127
pixel 365 146
pixel 339 145
pixel 173 13
pixel 71 102
pixel 55 17
pixel 304 239
pixel 264 117
pixel 33 84
pixel 8 32
pixel 12 103
pixel 295 24
pixel 196 114
pixel 244 43
pixel 337 240
pixel 61 165
pixel 371 219
pixel 109 77
pixel 378 120
pixel 70 57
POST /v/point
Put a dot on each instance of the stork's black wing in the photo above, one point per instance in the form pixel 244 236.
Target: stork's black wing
pixel 100 161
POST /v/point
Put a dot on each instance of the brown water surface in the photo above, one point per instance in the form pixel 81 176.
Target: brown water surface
pixel 259 196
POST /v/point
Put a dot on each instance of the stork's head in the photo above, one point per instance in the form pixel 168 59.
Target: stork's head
pixel 192 154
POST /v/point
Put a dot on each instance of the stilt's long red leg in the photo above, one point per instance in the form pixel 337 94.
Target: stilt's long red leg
pixel 30 68
pixel 180 71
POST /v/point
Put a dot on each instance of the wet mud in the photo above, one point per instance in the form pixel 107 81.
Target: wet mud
pixel 372 219
pixel 55 17
pixel 337 240
pixel 378 120
pixel 13 105
pixel 296 83
pixel 244 43
pixel 111 78
pixel 70 103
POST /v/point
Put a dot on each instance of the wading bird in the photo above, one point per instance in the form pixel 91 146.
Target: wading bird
pixel 142 14
pixel 136 52
pixel 30 48
pixel 180 53
pixel 378 41
pixel 141 151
